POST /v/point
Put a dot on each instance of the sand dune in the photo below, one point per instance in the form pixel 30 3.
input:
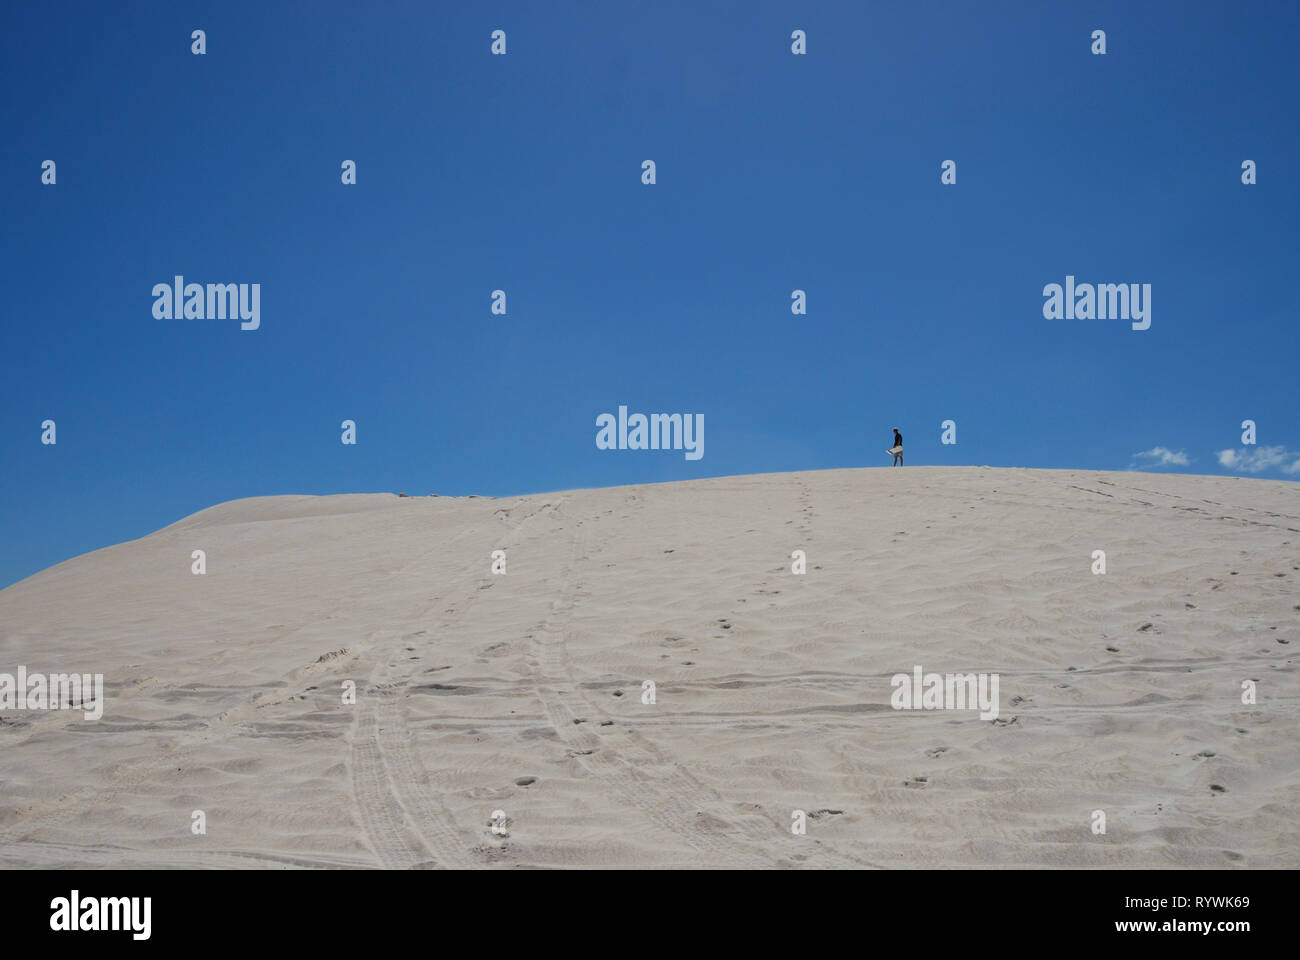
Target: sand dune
pixel 1118 692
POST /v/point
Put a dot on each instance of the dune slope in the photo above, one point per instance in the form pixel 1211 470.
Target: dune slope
pixel 520 695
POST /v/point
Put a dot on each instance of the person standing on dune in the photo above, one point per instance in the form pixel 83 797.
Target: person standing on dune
pixel 897 451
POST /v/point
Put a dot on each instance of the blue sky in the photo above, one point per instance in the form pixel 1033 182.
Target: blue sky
pixel 522 172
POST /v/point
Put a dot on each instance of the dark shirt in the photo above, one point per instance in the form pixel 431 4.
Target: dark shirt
pixel 898 439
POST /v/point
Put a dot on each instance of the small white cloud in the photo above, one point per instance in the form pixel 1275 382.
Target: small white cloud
pixel 1248 460
pixel 1160 457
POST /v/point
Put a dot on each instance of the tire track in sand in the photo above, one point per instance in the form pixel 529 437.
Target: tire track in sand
pixel 640 774
pixel 407 823
pixel 636 777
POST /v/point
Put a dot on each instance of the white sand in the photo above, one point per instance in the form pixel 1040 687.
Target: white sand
pixel 224 689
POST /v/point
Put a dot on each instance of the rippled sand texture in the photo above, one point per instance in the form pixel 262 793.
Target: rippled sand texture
pixel 522 693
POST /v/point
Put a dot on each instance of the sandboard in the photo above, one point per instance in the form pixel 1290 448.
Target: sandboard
pixel 894 450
